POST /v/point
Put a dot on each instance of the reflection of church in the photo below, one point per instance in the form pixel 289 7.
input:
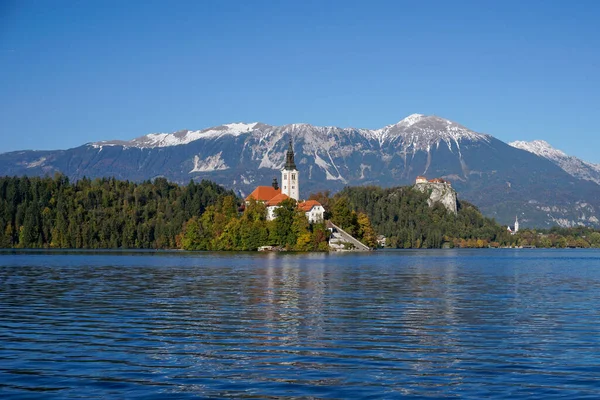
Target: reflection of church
pixel 515 229
pixel 273 195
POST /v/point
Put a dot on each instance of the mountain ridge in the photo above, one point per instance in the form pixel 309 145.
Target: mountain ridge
pixel 571 164
pixel 431 126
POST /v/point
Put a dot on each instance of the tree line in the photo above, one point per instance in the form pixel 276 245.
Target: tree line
pixel 109 213
pixel 557 237
pixel 100 213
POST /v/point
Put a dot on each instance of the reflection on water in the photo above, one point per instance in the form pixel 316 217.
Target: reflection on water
pixel 411 323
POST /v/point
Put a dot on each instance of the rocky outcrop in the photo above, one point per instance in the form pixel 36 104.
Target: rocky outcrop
pixel 439 193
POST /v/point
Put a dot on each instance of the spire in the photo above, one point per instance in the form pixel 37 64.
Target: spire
pixel 289 160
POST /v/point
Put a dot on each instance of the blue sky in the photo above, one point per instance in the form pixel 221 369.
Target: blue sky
pixel 72 72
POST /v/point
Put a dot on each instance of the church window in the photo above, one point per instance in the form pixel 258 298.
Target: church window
pixel 285 177
pixel 293 187
pixel 293 176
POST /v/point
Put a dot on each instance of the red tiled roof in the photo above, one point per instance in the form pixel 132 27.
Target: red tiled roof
pixel 421 177
pixel 308 205
pixel 263 193
pixel 277 199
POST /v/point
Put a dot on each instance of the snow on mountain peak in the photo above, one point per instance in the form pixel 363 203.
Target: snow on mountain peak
pixel 418 131
pixel 411 119
pixel 572 165
pixel 240 127
pixel 540 148
pixel 182 137
pixel 422 132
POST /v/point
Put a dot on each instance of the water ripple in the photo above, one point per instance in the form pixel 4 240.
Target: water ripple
pixel 468 324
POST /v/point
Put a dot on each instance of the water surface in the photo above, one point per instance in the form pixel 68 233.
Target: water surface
pixel 453 323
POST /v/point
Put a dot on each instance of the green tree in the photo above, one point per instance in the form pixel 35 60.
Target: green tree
pixel 342 215
pixel 285 215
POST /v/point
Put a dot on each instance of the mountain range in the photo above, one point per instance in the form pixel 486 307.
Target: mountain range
pixel 539 184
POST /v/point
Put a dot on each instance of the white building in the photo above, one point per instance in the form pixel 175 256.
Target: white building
pixel 313 210
pixel 290 179
pixel 516 227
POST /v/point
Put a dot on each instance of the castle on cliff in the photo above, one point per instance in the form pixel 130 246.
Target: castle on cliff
pixel 422 179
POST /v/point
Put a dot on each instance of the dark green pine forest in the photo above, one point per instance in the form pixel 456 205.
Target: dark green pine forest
pixel 98 214
pixel 111 214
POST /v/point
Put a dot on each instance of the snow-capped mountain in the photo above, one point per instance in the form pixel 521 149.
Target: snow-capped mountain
pixel 181 137
pixel 416 132
pixel 420 132
pixel 572 165
pixel 502 180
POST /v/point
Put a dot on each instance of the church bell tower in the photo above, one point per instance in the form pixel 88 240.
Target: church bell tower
pixel 290 182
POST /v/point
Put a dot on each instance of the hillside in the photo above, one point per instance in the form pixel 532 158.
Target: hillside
pixel 404 216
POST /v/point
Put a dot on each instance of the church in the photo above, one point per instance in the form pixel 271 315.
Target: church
pixel 273 195
pixel 515 228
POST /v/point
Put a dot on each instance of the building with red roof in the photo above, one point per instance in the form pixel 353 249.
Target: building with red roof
pixel 422 179
pixel 263 193
pixel 273 204
pixel 277 199
pixel 313 210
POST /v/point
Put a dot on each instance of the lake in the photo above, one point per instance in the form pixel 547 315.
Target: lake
pixel 387 324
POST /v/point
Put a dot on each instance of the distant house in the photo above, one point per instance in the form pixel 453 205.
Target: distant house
pixel 421 179
pixel 313 209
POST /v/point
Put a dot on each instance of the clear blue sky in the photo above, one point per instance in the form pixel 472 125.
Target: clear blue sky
pixel 72 72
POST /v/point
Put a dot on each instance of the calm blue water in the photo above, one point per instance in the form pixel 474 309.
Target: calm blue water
pixel 452 323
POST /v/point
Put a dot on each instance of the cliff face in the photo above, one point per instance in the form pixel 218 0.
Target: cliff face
pixel 439 193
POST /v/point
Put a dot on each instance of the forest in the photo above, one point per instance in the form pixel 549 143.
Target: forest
pixel 53 212
pixel 404 218
pixel 98 214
